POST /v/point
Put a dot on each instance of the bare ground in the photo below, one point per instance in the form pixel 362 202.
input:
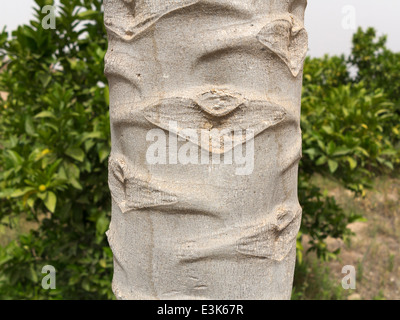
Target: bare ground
pixel 374 251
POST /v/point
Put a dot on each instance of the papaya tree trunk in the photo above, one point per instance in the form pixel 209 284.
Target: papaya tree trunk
pixel 205 121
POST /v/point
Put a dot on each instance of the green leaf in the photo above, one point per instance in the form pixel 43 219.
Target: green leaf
pixel 30 202
pixel 17 193
pixel 104 152
pixel 331 148
pixel 6 193
pixel 327 129
pixel 15 157
pixel 91 135
pixel 312 152
pixel 352 162
pixel 33 274
pixel 102 225
pixel 44 79
pixel 103 263
pixel 87 15
pixel 341 151
pixel 86 284
pixel 333 165
pixel 42 195
pixel 29 127
pixel 72 170
pixel 321 145
pixel 76 153
pixel 389 165
pixel 50 201
pixel 45 114
pixel 75 183
pixel 321 161
pixel 299 254
pixel 21 192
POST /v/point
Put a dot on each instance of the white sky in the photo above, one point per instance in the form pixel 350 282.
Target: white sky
pixel 327 24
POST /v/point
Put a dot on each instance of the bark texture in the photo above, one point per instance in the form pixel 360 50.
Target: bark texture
pixel 182 68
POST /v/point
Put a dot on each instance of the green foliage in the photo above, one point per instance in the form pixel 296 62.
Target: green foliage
pixel 377 66
pixel 54 142
pixel 313 281
pixel 322 218
pixel 347 134
pixel 350 134
pixel 54 137
pixel 323 73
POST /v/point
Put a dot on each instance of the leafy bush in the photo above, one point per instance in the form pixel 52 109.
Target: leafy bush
pixel 54 137
pixel 350 134
pixel 377 66
pixel 54 142
pixel 347 134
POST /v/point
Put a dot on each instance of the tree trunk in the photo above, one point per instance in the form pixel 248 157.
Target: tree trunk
pixel 205 120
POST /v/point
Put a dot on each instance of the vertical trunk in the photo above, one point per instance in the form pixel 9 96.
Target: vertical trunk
pixel 206 140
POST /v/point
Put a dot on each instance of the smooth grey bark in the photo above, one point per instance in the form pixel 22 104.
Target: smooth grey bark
pixel 183 225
